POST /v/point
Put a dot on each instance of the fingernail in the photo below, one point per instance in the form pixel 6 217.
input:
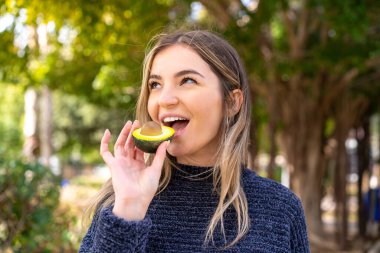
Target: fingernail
pixel 107 131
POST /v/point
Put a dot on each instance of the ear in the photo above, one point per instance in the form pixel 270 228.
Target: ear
pixel 237 98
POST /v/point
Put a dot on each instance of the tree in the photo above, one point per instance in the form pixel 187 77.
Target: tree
pixel 91 50
pixel 303 58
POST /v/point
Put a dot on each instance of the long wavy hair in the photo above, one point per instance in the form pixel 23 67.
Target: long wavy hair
pixel 225 62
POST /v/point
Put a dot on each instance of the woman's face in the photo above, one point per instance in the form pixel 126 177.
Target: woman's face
pixel 186 95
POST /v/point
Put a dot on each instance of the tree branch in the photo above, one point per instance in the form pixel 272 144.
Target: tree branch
pixel 373 62
pixel 346 79
pixel 302 28
pixel 219 11
pixel 315 22
pixel 260 87
pixel 323 33
pixel 368 79
pixel 292 39
pixel 338 88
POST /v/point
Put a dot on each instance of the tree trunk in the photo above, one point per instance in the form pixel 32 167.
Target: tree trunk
pixel 304 156
pixel 272 151
pixel 307 184
pixel 253 139
pixel 346 115
pixel 46 122
pixel 363 166
pixel 31 141
pixel 341 213
pixel 272 133
pixel 252 147
pixel 38 125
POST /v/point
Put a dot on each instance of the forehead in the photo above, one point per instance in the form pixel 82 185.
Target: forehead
pixel 176 58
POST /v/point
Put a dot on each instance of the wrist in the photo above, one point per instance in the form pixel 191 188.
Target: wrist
pixel 130 212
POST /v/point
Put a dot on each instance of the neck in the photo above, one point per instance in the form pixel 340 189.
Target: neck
pixel 192 172
pixel 207 162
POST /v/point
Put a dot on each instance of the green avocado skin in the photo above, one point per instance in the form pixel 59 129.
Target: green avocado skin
pixel 149 146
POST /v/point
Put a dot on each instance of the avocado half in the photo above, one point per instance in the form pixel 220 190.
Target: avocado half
pixel 150 143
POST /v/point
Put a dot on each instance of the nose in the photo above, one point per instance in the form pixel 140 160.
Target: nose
pixel 168 97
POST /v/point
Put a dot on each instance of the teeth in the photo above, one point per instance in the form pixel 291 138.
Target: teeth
pixel 171 119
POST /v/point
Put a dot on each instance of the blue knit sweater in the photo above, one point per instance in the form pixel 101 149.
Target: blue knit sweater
pixel 178 217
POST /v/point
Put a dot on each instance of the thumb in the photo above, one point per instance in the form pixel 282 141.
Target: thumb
pixel 159 158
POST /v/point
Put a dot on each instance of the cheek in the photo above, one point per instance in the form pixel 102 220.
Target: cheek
pixel 212 112
pixel 218 116
pixel 152 111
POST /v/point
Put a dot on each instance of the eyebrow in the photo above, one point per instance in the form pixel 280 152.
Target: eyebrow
pixel 178 74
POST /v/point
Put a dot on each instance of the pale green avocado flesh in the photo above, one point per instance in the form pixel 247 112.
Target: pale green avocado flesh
pixel 149 143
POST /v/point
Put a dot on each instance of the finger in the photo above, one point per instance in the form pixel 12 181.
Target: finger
pixel 122 138
pixel 129 145
pixel 159 158
pixel 104 151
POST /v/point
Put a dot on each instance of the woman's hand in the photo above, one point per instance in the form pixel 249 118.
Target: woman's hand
pixel 134 184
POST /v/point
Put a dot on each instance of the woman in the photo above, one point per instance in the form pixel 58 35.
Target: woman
pixel 195 194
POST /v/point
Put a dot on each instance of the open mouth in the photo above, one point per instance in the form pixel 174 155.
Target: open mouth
pixel 177 123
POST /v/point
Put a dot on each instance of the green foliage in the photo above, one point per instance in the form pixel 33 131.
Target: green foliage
pixel 348 17
pixel 11 111
pixel 29 198
pixel 93 51
pixel 105 53
pixel 80 124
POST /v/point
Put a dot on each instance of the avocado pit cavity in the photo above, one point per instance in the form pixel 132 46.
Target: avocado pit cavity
pixel 151 128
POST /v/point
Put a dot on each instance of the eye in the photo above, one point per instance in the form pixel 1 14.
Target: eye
pixel 188 80
pixel 154 85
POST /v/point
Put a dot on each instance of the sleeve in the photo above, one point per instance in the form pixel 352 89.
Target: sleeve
pixel 109 233
pixel 299 242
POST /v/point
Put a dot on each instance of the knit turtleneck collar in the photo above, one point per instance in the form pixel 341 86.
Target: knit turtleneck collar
pixel 191 172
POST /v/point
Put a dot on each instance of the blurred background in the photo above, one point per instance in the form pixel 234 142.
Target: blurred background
pixel 70 69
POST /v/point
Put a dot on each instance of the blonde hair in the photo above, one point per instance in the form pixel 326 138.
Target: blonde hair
pixel 233 152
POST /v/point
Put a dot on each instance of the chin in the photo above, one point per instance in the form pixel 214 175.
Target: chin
pixel 174 151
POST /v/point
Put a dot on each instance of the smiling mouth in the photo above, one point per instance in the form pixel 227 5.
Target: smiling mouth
pixel 176 123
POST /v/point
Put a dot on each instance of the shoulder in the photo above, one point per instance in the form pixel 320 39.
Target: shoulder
pixel 267 193
pixel 275 209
